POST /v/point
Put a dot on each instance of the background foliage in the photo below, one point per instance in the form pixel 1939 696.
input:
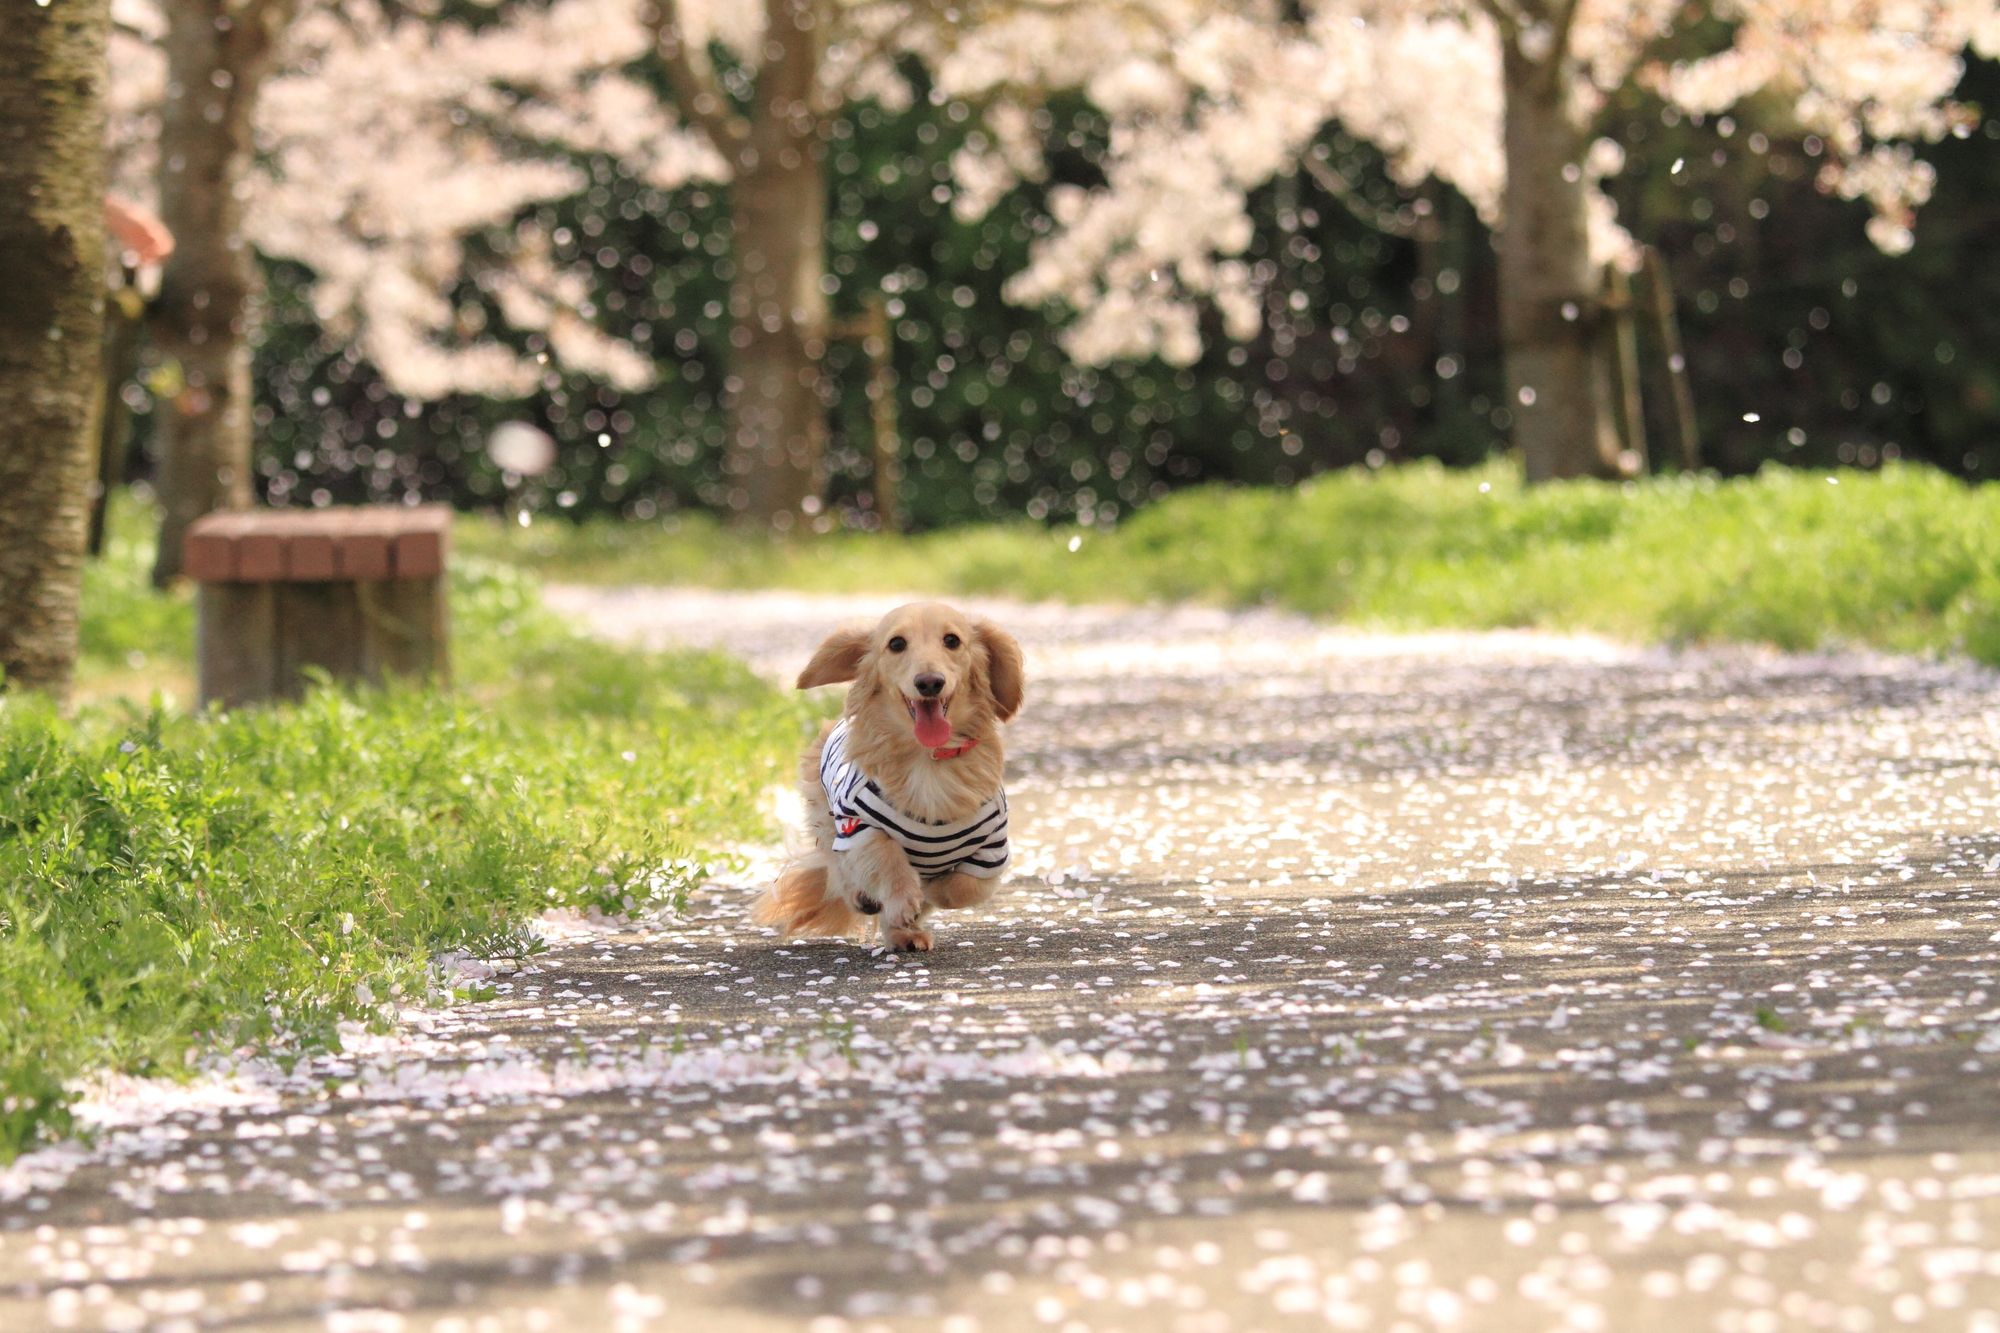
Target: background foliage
pixel 1807 345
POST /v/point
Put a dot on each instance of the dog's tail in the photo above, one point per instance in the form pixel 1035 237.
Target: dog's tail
pixel 798 903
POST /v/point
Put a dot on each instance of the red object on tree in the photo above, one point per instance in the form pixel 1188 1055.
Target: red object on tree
pixel 137 233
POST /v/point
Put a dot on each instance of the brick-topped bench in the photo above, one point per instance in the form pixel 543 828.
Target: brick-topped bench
pixel 358 593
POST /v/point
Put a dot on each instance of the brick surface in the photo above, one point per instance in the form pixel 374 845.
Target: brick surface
pixel 353 543
pixel 208 554
pixel 260 557
pixel 420 555
pixel 311 556
pixel 365 555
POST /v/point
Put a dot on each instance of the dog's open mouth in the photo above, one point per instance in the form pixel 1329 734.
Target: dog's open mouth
pixel 933 726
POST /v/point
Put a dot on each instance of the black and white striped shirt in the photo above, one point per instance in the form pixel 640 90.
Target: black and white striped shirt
pixel 976 845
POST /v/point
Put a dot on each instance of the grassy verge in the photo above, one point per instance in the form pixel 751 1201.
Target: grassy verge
pixel 1906 558
pixel 171 883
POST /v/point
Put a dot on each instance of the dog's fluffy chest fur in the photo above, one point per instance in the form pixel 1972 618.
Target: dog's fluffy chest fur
pixel 939 791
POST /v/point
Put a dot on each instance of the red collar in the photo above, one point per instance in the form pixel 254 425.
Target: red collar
pixel 953 751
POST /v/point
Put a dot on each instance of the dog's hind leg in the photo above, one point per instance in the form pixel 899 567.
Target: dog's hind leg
pixel 806 899
pixel 800 902
pixel 958 889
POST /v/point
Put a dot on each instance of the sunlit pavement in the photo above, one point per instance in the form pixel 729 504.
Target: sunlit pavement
pixel 1487 981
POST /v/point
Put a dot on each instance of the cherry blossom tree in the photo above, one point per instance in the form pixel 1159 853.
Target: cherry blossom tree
pixel 386 137
pixel 775 156
pixel 218 55
pixel 51 268
pixel 369 143
pixel 794 64
pixel 1501 99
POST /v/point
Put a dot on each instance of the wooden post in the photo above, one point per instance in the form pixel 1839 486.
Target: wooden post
pixel 236 641
pixel 1667 326
pixel 886 485
pixel 1624 352
pixel 405 629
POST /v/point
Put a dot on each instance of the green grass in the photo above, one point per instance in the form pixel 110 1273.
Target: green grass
pixel 1906 559
pixel 174 883
pixel 134 641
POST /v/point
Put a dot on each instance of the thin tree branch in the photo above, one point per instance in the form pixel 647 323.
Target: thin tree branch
pixel 1565 27
pixel 1502 12
pixel 274 15
pixel 697 95
pixel 251 37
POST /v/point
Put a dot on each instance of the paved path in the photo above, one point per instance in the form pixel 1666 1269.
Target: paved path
pixel 1481 981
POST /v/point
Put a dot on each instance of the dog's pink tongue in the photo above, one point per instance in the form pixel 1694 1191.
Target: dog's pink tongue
pixel 932 727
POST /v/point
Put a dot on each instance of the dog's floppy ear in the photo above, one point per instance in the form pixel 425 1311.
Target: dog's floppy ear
pixel 1004 672
pixel 836 660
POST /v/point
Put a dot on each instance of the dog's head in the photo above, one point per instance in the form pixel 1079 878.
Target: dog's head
pixel 946 670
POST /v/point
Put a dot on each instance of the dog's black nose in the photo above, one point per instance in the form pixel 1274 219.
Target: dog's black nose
pixel 930 686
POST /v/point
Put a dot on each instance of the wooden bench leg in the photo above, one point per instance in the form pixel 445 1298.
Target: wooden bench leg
pixel 235 639
pixel 319 625
pixel 256 641
pixel 403 629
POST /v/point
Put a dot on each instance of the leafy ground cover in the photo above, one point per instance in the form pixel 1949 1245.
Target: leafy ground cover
pixel 172 883
pixel 1906 558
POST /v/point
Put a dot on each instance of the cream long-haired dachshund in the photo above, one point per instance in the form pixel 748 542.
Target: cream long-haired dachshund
pixel 903 794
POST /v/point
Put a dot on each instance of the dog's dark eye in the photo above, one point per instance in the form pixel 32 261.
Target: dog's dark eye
pixel 951 641
pixel 898 644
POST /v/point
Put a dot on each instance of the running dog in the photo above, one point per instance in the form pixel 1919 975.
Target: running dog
pixel 904 798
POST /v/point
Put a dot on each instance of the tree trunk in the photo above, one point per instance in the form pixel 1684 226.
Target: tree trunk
pixel 218 54
pixel 52 75
pixel 777 412
pixel 1565 421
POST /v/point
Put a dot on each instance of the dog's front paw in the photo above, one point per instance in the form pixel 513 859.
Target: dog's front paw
pixel 909 940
